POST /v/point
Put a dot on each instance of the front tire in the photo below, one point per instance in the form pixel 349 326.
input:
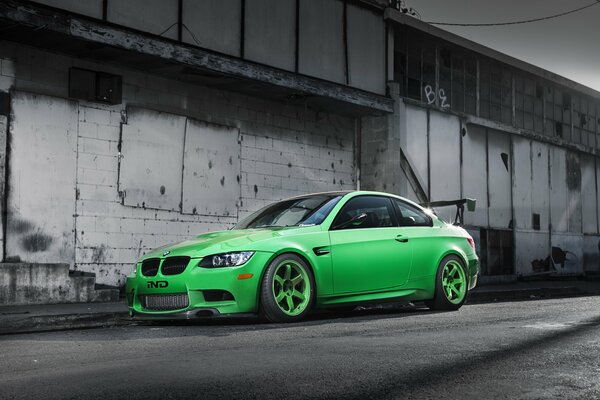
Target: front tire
pixel 451 285
pixel 287 290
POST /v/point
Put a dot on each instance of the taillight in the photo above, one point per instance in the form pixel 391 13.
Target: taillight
pixel 471 242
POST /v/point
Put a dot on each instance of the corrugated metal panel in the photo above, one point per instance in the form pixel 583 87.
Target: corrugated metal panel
pixel 211 173
pixel 151 166
pixel 474 178
pixel 559 217
pixel 154 16
pixel 270 32
pixel 321 41
pixel 499 178
pixel 366 50
pixel 588 194
pixel 41 186
pixel 214 24
pixel 522 183
pixel 540 185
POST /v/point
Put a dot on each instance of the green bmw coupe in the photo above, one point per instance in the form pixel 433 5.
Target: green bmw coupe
pixel 335 249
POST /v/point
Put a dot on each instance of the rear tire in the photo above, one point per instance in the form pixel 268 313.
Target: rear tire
pixel 451 285
pixel 288 289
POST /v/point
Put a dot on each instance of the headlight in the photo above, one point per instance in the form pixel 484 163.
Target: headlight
pixel 226 259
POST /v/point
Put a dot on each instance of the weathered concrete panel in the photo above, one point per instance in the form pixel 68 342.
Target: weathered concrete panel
pixel 540 185
pixel 366 50
pixel 559 216
pixel 152 162
pixel 591 254
pixel 214 24
pixel 499 178
pixel 321 41
pixel 474 179
pixel 532 252
pixel 92 8
pixel 598 186
pixel 588 194
pixel 522 183
pixel 573 183
pixel 567 253
pixel 41 187
pixel 158 17
pixel 211 169
pixel 416 143
pixel 270 32
pixel 3 128
pixel 444 160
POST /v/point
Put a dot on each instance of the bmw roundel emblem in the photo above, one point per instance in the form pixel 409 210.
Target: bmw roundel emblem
pixel 166 253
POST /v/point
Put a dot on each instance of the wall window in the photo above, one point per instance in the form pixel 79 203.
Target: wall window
pixel 438 73
pixel 584 121
pixel 529 108
pixel 558 112
pixel 495 92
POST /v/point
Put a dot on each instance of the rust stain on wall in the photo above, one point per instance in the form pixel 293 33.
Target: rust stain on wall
pixel 36 242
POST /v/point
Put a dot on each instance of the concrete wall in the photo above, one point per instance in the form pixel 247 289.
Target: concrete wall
pixel 315 36
pixel 543 195
pixel 3 132
pixel 366 50
pixel 270 33
pixel 158 17
pixel 284 151
pixel 91 8
pixel 213 24
pixel 321 42
pixel 43 165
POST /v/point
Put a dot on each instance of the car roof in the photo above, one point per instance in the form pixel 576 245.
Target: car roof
pixel 354 193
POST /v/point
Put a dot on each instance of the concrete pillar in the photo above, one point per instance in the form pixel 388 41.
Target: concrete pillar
pixel 383 166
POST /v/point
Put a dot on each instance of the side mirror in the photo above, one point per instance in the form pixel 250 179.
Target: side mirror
pixel 355 221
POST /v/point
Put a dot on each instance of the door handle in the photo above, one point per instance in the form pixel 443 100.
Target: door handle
pixel 401 239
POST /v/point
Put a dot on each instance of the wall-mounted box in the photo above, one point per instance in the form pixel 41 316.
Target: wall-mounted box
pixel 95 86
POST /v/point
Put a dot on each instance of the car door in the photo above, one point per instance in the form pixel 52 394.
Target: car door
pixel 416 226
pixel 367 254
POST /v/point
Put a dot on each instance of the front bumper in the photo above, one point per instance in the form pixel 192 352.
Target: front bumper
pixel 197 283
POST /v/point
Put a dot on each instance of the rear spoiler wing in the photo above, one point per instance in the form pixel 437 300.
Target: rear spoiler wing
pixel 460 208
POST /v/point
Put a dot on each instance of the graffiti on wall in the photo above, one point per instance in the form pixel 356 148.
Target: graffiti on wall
pixel 432 96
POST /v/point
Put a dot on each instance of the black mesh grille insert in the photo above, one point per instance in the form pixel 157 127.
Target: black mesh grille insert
pixel 174 265
pixel 150 266
pixel 165 302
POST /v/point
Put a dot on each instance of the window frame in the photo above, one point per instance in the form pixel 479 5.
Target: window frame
pixel 398 212
pixel 393 215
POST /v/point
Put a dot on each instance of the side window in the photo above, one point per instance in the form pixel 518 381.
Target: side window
pixel 409 215
pixel 365 212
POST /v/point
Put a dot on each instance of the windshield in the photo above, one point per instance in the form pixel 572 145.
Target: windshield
pixel 305 211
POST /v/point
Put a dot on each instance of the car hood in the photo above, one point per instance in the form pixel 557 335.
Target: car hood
pixel 223 241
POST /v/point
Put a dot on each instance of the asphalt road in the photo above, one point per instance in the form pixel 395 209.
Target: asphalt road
pixel 544 349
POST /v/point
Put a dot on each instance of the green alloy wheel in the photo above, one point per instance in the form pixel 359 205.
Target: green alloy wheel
pixel 288 289
pixel 451 285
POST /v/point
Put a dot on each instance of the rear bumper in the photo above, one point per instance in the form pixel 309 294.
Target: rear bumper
pixel 474 269
pixel 197 283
